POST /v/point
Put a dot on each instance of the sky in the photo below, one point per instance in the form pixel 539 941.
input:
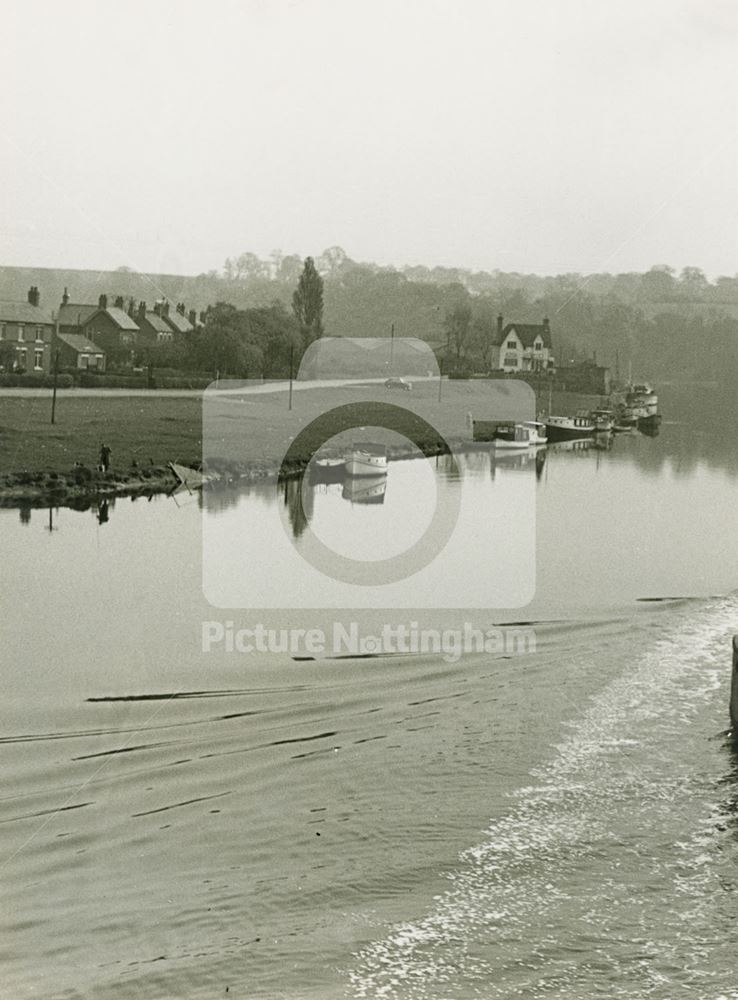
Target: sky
pixel 545 136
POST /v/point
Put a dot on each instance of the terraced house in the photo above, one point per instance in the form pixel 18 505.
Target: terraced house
pixel 26 331
pixel 109 328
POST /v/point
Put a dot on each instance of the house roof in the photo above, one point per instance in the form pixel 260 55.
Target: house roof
pixel 527 333
pixel 79 314
pixel 121 318
pixel 76 313
pixel 79 343
pixel 155 321
pixel 24 312
pixel 178 322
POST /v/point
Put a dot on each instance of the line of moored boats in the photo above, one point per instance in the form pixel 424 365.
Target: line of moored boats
pixel 638 407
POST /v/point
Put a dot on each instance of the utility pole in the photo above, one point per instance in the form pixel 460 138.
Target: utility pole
pixel 292 354
pixel 392 349
pixel 53 393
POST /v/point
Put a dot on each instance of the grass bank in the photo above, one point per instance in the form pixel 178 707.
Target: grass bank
pixel 249 431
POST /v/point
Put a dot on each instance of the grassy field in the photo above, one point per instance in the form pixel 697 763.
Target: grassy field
pixel 148 430
pixel 248 428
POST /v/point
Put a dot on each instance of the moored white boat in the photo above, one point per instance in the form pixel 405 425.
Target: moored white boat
pixel 512 437
pixel 537 430
pixel 366 460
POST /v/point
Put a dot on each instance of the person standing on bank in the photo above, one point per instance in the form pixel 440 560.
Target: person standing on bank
pixel 104 457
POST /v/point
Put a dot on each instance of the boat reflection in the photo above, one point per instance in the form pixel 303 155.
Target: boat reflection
pixel 366 489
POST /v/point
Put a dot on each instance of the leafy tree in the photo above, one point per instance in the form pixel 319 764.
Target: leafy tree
pixel 7 355
pixel 307 302
pixel 457 326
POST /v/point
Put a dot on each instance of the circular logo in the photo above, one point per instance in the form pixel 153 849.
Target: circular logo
pixel 417 556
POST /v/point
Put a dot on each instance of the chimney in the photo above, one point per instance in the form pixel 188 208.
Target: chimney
pixel 192 317
pixel 65 297
pixel 102 302
pixel 34 296
pixel 546 325
pixel 157 307
pixel 499 325
pixel 181 308
pixel 142 310
pixel 118 301
pixel 165 309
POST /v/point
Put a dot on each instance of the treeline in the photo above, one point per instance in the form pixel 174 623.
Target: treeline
pixel 240 343
pixel 660 323
pixel 664 324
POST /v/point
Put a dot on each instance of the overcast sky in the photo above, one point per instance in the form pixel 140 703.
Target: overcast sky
pixel 529 135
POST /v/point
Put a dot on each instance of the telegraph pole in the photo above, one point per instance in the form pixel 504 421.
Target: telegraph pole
pixel 56 379
pixel 292 354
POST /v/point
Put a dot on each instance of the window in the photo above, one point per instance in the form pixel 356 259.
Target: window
pixel 512 345
pixel 40 334
pixel 511 361
pixel 84 360
pixel 21 333
pixel 99 361
pixel 38 360
pixel 538 344
pixel 20 357
pixel 2 331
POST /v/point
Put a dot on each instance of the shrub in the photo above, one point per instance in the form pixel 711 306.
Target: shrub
pixel 34 380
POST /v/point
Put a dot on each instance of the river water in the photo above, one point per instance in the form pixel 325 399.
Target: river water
pixel 560 820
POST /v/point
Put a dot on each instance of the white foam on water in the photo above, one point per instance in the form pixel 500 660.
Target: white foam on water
pixel 601 875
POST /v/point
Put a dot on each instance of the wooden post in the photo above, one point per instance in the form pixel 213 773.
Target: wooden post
pixel 53 393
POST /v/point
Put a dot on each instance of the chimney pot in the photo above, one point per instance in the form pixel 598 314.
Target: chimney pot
pixel 33 295
pixel 102 302
pixel 193 317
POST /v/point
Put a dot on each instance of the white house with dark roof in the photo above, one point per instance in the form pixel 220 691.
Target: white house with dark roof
pixel 523 347
pixel 29 329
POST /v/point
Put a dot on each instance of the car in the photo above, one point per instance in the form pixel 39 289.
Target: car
pixel 398 383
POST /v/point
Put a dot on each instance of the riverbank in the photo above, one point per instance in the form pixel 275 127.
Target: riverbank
pixel 42 463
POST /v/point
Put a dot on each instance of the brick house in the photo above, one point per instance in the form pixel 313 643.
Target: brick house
pixel 523 347
pixel 76 351
pixel 108 327
pixel 29 328
pixel 178 320
pixel 153 327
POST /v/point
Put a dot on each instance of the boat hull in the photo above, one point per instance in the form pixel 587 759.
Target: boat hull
pixel 366 465
pixel 567 432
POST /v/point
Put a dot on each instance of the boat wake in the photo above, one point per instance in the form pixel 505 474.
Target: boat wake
pixel 607 874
